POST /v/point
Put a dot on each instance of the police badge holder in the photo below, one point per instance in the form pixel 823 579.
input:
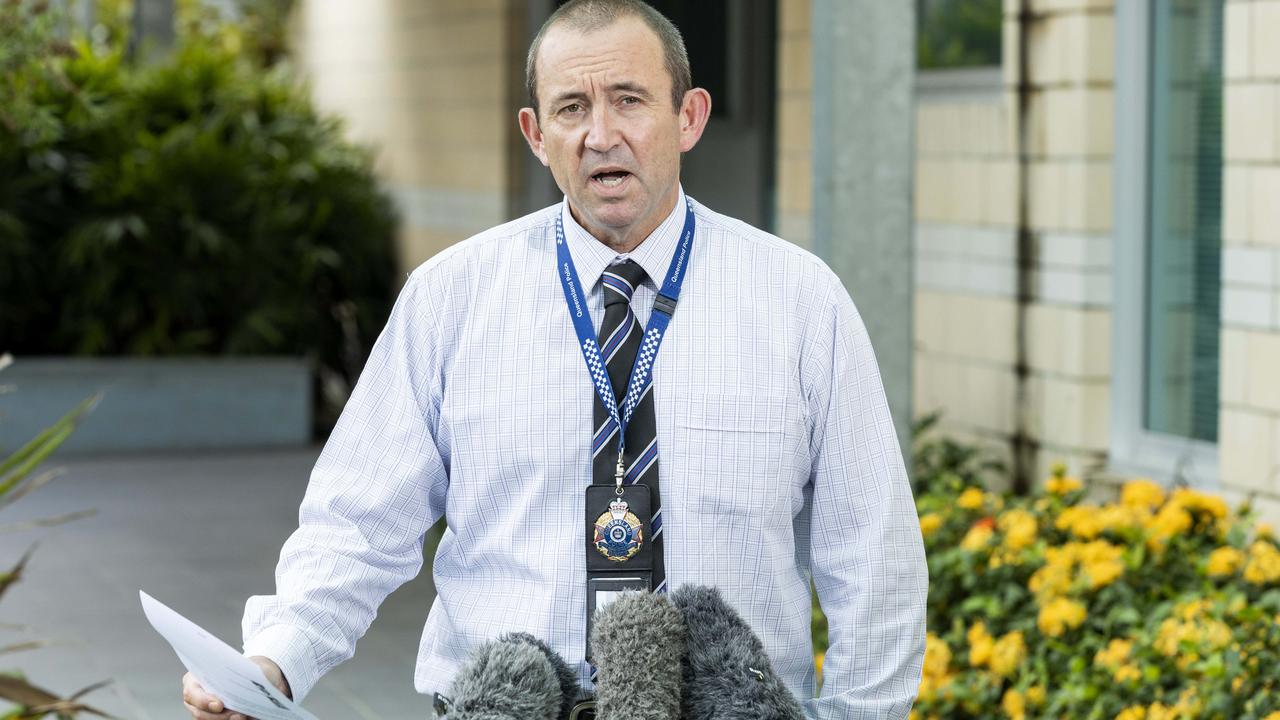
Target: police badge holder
pixel 619 545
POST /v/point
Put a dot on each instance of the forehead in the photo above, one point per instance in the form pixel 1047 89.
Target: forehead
pixel 625 50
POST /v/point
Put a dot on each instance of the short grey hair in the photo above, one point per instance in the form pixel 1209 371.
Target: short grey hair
pixel 589 15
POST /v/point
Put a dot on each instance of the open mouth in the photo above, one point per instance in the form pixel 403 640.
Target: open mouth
pixel 611 179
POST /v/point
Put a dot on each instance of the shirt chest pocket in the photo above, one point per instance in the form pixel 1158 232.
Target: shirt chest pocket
pixel 737 457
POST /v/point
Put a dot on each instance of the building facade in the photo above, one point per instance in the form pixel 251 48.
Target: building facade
pixel 1096 244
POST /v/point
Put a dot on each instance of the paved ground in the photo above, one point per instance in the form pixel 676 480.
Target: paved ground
pixel 200 532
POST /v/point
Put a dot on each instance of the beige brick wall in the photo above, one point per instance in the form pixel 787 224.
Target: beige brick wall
pixel 968 184
pixel 966 180
pixel 1249 423
pixel 1069 144
pixel 794 196
pixel 430 84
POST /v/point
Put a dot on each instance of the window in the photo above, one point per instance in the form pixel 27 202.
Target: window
pixel 958 33
pixel 1184 227
pixel 1168 236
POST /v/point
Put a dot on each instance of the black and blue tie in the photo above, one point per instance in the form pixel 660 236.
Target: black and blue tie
pixel 620 336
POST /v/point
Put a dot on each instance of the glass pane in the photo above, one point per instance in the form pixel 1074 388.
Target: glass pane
pixel 958 33
pixel 1184 247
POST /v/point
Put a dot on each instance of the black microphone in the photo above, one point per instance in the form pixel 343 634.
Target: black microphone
pixel 638 646
pixel 727 675
pixel 516 677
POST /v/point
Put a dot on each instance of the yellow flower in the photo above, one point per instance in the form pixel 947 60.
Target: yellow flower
pixel 1061 485
pixel 1206 634
pixel 1019 528
pixel 1014 705
pixel 1160 711
pixel 929 524
pixel 1192 609
pixel 1142 493
pixel 977 538
pixel 1264 530
pixel 1082 521
pixel 980 644
pixel 1195 500
pixel 1059 615
pixel 1007 655
pixel 1121 517
pixel 937 656
pixel 1100 562
pixel 1225 561
pixel 1101 574
pixel 1035 695
pixel 1172 520
pixel 1128 673
pixel 1133 712
pixel 1054 578
pixel 1273 716
pixel 970 499
pixel 1264 564
pixel 1215 634
pixel 1115 653
pixel 1172 633
pixel 1188 705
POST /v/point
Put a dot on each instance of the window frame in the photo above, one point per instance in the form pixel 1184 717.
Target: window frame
pixel 1135 450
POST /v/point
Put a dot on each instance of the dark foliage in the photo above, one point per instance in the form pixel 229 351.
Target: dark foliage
pixel 197 205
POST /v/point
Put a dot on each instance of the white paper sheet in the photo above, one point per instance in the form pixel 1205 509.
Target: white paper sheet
pixel 220 669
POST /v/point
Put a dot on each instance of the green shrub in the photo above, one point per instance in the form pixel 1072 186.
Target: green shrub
pixel 198 205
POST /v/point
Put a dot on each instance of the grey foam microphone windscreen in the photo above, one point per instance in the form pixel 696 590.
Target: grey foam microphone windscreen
pixel 516 677
pixel 727 675
pixel 638 644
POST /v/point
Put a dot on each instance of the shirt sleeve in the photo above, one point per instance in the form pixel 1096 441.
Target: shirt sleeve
pixel 379 484
pixel 866 548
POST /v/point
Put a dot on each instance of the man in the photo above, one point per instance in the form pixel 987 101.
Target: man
pixel 768 426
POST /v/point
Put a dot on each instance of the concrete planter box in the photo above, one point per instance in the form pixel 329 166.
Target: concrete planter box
pixel 160 403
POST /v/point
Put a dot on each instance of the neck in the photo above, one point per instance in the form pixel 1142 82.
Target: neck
pixel 625 239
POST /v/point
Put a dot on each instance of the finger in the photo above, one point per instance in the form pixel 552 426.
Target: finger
pixel 200 698
pixel 195 697
pixel 193 692
pixel 199 714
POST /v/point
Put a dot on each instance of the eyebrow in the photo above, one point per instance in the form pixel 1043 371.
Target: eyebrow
pixel 627 87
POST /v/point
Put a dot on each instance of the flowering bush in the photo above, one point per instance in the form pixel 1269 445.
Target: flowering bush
pixel 1160 605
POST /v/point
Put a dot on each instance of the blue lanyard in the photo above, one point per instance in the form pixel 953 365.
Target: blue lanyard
pixel 663 306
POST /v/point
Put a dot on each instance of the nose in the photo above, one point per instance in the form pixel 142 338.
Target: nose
pixel 602 135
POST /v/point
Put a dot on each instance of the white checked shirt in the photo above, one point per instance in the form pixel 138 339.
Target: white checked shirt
pixel 778 456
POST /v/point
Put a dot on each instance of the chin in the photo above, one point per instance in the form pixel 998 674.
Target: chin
pixel 612 215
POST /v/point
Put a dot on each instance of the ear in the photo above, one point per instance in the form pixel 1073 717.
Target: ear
pixel 532 133
pixel 694 113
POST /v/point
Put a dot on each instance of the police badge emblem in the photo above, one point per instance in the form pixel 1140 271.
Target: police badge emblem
pixel 619 533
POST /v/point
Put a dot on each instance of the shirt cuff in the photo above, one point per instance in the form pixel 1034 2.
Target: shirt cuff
pixel 289 648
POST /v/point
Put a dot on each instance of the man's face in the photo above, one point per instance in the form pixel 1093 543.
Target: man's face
pixel 607 128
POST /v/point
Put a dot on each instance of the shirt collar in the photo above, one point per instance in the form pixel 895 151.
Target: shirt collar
pixel 653 254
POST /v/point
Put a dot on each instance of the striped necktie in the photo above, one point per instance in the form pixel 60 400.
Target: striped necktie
pixel 620 335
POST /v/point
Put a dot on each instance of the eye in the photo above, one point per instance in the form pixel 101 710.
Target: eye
pixel 630 100
pixel 571 108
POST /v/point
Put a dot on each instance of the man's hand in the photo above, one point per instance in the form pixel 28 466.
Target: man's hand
pixel 204 706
